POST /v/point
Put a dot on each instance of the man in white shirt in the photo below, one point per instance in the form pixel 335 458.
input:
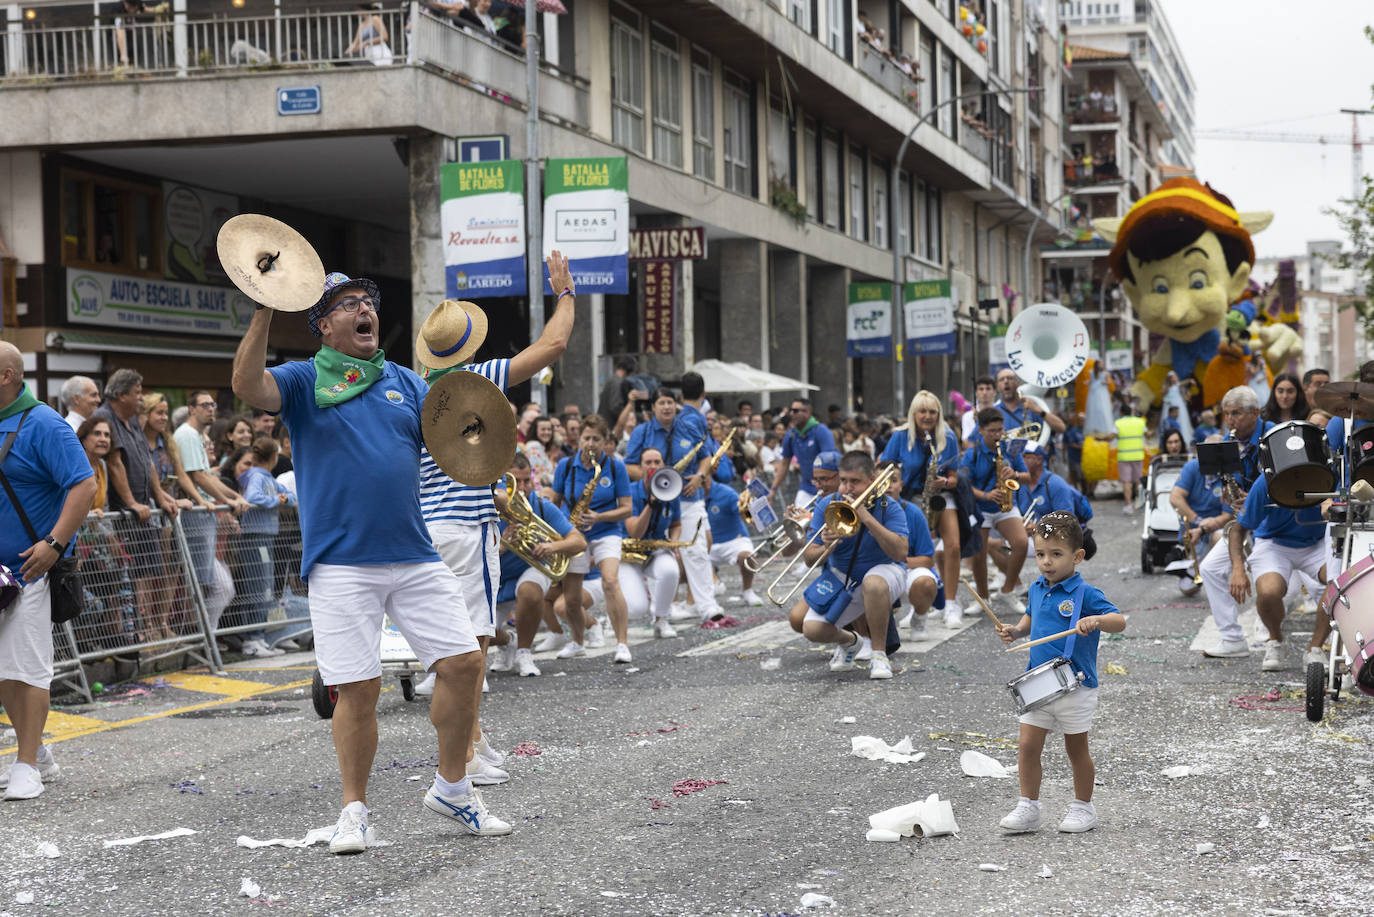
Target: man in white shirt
pixel 80 398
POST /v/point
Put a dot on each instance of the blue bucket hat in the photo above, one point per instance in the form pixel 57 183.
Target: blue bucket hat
pixel 333 281
pixel 828 461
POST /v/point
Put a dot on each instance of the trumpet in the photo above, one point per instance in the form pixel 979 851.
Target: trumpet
pixel 530 530
pixel 842 521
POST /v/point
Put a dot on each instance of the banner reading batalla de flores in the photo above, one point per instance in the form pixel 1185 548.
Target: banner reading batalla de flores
pixel 482 215
pixel 587 218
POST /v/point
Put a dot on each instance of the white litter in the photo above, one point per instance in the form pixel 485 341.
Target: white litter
pixel 130 841
pixel 1206 848
pixel 610 894
pixel 1270 772
pixel 23 898
pixel 991 867
pixel 882 835
pixel 49 850
pixel 317 836
pixel 977 764
pixel 737 802
pixel 415 777
pixel 641 743
pixel 771 664
pixel 808 885
pixel 875 749
pixel 931 817
pixel 1263 822
pixel 1343 848
pixel 1173 773
pixel 560 674
pixel 847 720
pixel 811 899
pixel 249 889
pixel 1045 872
pixel 628 671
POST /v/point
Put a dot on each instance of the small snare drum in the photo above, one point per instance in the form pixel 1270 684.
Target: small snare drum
pixel 1043 684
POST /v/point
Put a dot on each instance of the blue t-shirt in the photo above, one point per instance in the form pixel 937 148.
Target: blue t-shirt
pixel 44 463
pixel 804 447
pixel 1204 493
pixel 357 469
pixel 669 513
pixel 1073 444
pixel 1291 528
pixel 1200 433
pixel 1055 494
pixel 981 463
pixel 722 514
pixel 1335 436
pixel 1011 419
pixel 1249 452
pixel 570 479
pixel 512 564
pixel 890 515
pixel 1051 608
pixel 916 459
pixel 918 540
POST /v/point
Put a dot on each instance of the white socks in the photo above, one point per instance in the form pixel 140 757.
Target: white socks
pixel 444 788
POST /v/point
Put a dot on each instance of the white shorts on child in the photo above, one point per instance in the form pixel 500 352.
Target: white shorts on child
pixel 1070 714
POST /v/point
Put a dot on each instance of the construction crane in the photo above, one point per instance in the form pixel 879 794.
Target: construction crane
pixel 1356 144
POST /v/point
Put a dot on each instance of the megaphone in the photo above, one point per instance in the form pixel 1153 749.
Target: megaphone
pixel 665 485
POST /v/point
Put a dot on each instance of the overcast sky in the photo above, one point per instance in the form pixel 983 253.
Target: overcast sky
pixel 1279 66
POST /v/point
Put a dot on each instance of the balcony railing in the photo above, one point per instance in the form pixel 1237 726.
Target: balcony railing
pixel 887 74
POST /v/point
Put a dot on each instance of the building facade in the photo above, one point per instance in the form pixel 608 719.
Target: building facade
pixel 1332 334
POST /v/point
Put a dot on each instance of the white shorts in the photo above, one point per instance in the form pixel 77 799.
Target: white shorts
pixel 992 519
pixel 894 575
pixel 478 571
pixel 803 498
pixel 505 609
pixel 727 552
pixel 593 588
pixel 26 637
pixel 1268 556
pixel 915 573
pixel 1070 714
pixel 607 547
pixel 347 603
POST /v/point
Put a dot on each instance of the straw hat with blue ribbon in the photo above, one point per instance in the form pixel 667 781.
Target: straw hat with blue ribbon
pixel 451 334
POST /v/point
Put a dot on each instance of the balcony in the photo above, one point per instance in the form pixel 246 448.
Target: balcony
pixel 887 73
pixel 1091 109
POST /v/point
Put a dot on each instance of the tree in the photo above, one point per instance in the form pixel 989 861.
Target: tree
pixel 1357 220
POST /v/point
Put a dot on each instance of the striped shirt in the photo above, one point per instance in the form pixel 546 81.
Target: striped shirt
pixel 443 499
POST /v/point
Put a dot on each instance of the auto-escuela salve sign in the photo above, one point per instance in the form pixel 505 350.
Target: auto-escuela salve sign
pixel 482 218
pixel 144 304
pixel 587 218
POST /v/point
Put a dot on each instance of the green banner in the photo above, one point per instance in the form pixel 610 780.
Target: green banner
pixel 587 218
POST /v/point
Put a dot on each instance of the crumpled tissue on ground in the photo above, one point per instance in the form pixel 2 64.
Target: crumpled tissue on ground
pixel 931 817
pixel 875 749
pixel 317 836
pixel 249 889
pixel 977 764
pixel 130 841
pixel 811 899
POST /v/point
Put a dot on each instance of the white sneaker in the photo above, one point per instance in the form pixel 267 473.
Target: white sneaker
pixel 751 598
pixel 842 660
pixel 263 649
pixel 484 773
pixel 663 628
pixel 549 642
pixel 289 645
pixel 680 611
pixel 250 648
pixel 1010 601
pixel 718 588
pixel 1080 817
pixel 879 666
pixel 469 811
pixel 426 686
pixel 622 653
pixel 1313 654
pixel 865 652
pixel 996 580
pixel 596 636
pixel 23 782
pixel 503 657
pixel 1272 661
pixel 972 610
pixel 1025 817
pixel 489 752
pixel 486 685
pixel 350 834
pixel 1228 649
pixel 571 649
pixel 47 767
pixel 953 617
pixel 524 664
pixel 919 631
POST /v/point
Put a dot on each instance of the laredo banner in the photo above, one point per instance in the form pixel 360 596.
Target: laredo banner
pixel 929 318
pixel 587 218
pixel 869 326
pixel 482 215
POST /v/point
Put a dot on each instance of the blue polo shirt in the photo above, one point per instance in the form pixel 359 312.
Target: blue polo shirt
pixel 688 429
pixel 1056 494
pixel 1050 609
pixel 668 514
pixel 357 469
pixel 44 463
pixel 918 540
pixel 570 479
pixel 804 447
pixel 1204 493
pixel 722 514
pixel 513 565
pixel 890 515
pixel 1249 452
pixel 915 459
pixel 1020 417
pixel 981 463
pixel 1335 435
pixel 1200 433
pixel 1073 444
pixel 1291 528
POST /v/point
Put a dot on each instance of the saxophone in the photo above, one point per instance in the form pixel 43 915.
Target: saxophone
pixel 932 500
pixel 1010 486
pixel 585 500
pixel 530 530
pixel 681 464
pixel 637 550
pixel 715 457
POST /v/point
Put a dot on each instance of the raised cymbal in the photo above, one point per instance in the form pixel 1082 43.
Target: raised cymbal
pixel 1339 399
pixel 469 428
pixel 270 262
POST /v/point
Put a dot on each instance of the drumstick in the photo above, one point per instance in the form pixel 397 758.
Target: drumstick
pixel 1050 638
pixel 995 623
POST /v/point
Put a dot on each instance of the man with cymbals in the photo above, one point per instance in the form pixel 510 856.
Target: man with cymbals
pixel 462 520
pixel 355 422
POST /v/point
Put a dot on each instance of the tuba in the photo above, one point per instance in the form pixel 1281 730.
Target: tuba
pixel 530 530
pixel 1047 347
pixel 585 500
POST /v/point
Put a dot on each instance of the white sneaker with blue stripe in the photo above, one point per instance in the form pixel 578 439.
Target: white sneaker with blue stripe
pixel 469 811
pixel 350 834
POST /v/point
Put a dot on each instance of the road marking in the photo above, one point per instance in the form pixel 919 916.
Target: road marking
pixel 211 684
pixel 777 634
pixel 62 725
pixel 1209 636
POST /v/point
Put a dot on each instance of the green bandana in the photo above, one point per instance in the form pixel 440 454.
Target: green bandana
pixel 339 377
pixel 22 402
pixel 806 427
pixel 432 376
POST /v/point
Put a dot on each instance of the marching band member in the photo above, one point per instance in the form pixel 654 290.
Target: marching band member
pixel 1336 431
pixel 1047 492
pixel 865 573
pixel 908 447
pixel 661 521
pixel 1017 411
pixel 1197 500
pixel 923 585
pixel 523 588
pixel 984 396
pixel 602 523
pixel 981 464
pixel 806 438
pixel 826 475
pixel 730 542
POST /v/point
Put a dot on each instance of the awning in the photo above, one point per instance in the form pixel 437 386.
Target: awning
pixel 70 339
pixel 741 377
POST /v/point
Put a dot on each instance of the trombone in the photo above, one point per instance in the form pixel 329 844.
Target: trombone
pixel 789 532
pixel 841 521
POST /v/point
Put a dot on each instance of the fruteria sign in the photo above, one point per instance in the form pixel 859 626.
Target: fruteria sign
pixel 869 320
pixel 587 218
pixel 482 215
pixel 142 304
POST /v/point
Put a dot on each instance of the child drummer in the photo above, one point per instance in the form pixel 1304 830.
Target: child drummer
pixel 1053 598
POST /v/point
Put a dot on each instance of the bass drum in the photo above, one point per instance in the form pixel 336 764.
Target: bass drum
pixel 1359 450
pixel 1350 603
pixel 1296 461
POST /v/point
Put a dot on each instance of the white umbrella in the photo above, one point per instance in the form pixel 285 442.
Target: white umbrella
pixel 741 377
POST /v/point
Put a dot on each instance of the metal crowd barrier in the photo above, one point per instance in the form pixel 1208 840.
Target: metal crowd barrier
pixel 167 587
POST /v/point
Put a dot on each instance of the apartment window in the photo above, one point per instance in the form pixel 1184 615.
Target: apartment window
pixel 111 225
pixel 627 79
pixel 830 179
pixel 666 70
pixel 781 158
pixel 880 205
pixel 946 93
pixel 905 242
pixel 994 29
pixel 858 218
pixel 928 71
pixel 838 26
pixel 738 118
pixel 931 211
pixel 799 11
pixel 812 170
pixel 703 117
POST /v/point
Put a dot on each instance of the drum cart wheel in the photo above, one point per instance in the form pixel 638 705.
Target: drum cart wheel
pixel 1147 563
pixel 1187 586
pixel 324 697
pixel 407 687
pixel 1316 691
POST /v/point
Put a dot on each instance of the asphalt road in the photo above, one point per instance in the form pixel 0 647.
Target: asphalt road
pixel 598 829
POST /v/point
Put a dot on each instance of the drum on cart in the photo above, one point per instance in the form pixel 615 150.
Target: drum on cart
pixel 1296 461
pixel 1349 600
pixel 1043 684
pixel 1359 452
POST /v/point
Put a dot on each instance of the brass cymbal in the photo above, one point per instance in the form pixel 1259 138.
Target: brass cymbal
pixel 1339 399
pixel 469 428
pixel 270 262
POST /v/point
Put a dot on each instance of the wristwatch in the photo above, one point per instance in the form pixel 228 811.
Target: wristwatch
pixel 56 545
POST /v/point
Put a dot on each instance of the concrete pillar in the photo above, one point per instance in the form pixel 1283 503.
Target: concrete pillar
pixel 787 338
pixel 427 283
pixel 743 301
pixel 575 376
pixel 827 291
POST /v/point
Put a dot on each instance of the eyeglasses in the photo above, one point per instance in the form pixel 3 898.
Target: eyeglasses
pixel 798 410
pixel 352 303
pixel 206 404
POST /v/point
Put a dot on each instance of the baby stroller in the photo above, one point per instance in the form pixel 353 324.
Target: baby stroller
pixel 1159 535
